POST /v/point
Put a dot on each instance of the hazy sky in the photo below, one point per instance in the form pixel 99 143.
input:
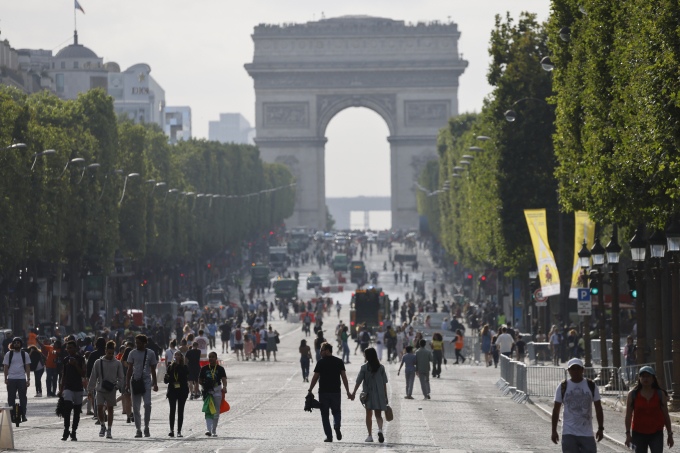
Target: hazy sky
pixel 197 49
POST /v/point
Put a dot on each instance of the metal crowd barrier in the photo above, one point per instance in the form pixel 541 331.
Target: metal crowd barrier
pixel 543 380
pixel 668 374
pixel 513 379
pixel 538 351
pixel 596 352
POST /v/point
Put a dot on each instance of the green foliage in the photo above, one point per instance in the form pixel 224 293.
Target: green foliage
pixel 482 222
pixel 330 221
pixel 617 125
pixel 56 218
pixel 429 205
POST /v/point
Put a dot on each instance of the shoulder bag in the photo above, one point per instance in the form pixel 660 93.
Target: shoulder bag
pixel 107 386
pixel 138 387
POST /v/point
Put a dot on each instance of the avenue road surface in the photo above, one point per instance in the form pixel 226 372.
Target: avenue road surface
pixel 466 413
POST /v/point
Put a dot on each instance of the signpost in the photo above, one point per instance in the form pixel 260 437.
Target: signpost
pixel 584 304
pixel 541 301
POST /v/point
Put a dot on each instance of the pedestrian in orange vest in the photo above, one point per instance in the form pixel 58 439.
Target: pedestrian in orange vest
pixel 459 341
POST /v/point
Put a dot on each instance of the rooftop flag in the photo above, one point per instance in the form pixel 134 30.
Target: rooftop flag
pixel 79 7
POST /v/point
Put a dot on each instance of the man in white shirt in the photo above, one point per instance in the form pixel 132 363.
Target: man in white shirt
pixel 203 343
pixel 17 376
pixel 505 342
pixel 578 396
pixel 170 353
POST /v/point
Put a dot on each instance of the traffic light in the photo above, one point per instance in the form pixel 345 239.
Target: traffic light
pixel 533 286
pixel 469 276
pixel 632 287
pixel 593 287
pixel 482 278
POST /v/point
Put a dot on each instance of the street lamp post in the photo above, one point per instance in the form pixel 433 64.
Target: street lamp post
pixel 584 263
pixel 657 249
pixel 638 249
pixel 14 146
pixel 613 252
pixel 533 276
pixel 673 242
pixel 597 253
pixel 35 156
pixel 131 175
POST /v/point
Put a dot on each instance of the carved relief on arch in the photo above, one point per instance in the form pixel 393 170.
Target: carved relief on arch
pixel 327 106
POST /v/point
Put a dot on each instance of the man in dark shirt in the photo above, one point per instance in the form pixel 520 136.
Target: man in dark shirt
pixel 71 389
pixel 193 358
pixel 328 372
pixel 225 332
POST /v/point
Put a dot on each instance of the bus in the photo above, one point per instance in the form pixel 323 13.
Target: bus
pixel 357 271
pixel 370 306
pixel 285 289
pixel 340 262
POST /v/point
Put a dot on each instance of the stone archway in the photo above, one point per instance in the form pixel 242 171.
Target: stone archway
pixel 305 74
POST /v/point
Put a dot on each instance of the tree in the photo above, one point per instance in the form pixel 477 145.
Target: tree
pixel 482 222
pixel 618 118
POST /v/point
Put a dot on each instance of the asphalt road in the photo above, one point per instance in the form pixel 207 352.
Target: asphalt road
pixel 466 412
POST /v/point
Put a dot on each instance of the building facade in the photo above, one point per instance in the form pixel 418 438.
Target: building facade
pixel 231 128
pixel 136 94
pixel 77 69
pixel 178 123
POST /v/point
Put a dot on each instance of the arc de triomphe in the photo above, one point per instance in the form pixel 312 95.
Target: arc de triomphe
pixel 304 74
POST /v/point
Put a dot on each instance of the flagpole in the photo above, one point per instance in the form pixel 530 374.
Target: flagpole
pixel 75 27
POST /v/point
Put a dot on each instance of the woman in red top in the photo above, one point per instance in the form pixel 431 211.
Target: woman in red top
pixel 647 409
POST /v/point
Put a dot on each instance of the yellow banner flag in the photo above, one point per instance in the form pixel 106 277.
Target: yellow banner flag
pixel 547 269
pixel 584 228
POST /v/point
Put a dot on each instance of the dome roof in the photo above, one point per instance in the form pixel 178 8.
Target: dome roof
pixel 75 51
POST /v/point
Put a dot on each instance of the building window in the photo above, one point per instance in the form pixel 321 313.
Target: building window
pixel 63 65
pixel 53 65
pixel 75 65
pixel 60 83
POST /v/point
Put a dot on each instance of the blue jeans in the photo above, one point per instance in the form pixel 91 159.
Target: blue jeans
pixel 304 363
pixel 345 352
pixel 330 401
pixel 52 381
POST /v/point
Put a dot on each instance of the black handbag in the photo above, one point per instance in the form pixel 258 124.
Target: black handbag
pixel 106 385
pixel 138 387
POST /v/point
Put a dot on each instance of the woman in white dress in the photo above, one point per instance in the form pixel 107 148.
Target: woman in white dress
pixel 380 341
pixel 400 343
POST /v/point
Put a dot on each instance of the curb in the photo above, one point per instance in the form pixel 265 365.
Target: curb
pixel 606 436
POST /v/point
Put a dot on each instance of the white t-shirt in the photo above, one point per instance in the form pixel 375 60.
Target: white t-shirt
pixel 169 356
pixel 555 339
pixel 17 369
pixel 203 343
pixel 263 336
pixel 445 325
pixel 577 419
pixel 380 338
pixel 504 342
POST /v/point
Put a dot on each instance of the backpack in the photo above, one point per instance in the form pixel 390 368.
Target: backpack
pixel 365 337
pixel 563 387
pixel 11 354
pixel 237 335
pixel 635 392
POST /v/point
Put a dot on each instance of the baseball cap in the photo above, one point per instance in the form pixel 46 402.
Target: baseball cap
pixel 573 362
pixel 647 369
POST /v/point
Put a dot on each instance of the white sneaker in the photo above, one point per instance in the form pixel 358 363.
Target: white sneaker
pixel 369 439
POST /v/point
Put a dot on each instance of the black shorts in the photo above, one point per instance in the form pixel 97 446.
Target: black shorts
pixel 363 346
pixel 238 347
